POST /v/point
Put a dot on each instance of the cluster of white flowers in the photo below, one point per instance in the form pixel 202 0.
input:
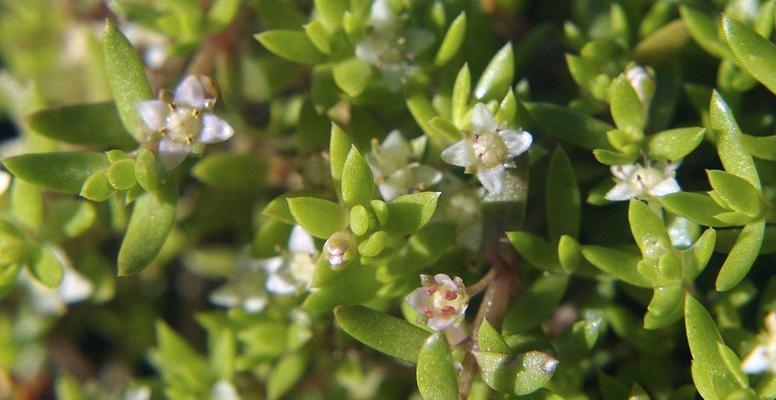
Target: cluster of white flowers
pixel 394 173
pixel 389 46
pixel 186 124
pixel 640 181
pixel 488 150
pixel 441 301
pixel 763 357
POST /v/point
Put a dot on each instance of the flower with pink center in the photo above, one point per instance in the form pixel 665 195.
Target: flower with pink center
pixel 441 301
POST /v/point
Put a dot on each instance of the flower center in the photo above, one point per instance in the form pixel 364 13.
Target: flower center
pixel 489 149
pixel 183 124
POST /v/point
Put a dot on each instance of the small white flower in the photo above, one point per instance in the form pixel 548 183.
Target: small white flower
pixel 339 249
pixel 643 82
pixel 638 181
pixel 74 288
pixel 389 46
pixel 245 288
pixel 5 181
pixel 763 356
pixel 488 150
pixel 224 390
pixel 441 301
pixel 186 124
pixel 292 271
pixel 393 171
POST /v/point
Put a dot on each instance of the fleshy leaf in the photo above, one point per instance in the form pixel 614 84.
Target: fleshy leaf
pixel 537 303
pixel 285 374
pixel 387 334
pixel 319 217
pixel 535 250
pixel 563 199
pixel 617 263
pixel 570 125
pixel 755 54
pixel 498 75
pixel 97 124
pixel 516 375
pixel 436 375
pixel 648 230
pixel 460 97
pixel 126 78
pixel 735 192
pixel 731 151
pixel 703 336
pixel 674 144
pixel 61 172
pixel 697 207
pixel 410 212
pixel 238 172
pixel 488 339
pixel 741 257
pixel 357 180
pixel 627 110
pixel 46 267
pixel 452 41
pixel 352 76
pixel 339 147
pixel 150 224
pixel 291 45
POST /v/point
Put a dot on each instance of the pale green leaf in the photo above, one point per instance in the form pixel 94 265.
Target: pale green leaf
pixel 61 172
pixel 436 374
pixel 319 217
pixel 390 335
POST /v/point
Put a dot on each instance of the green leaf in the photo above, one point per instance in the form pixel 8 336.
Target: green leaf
pixel 460 97
pixel 516 375
pixel 697 207
pixel 703 29
pixel 763 147
pixel 221 14
pixel 488 339
pixel 352 76
pixel 572 126
pixel 285 374
pixel 498 75
pixel 272 234
pixel 436 375
pixel 374 244
pixel 627 110
pixel 423 112
pixel 574 344
pixel 121 174
pixel 126 78
pixel 321 218
pixel 97 124
pixel 697 257
pixel 452 41
pixel 674 144
pixel 70 218
pixel 97 187
pixel 45 266
pixel 180 362
pixel 665 307
pixel 537 304
pixel 755 54
pixel 390 335
pixel 339 148
pixel 569 253
pixel 357 181
pixel 61 172
pixel 238 172
pixel 662 44
pixel 703 337
pixel 291 45
pixel 731 151
pixel 147 170
pixel 733 365
pixel 534 249
pixel 359 219
pixel 319 36
pixel 354 287
pixel 410 212
pixel 735 192
pixel 330 12
pixel 617 263
pixel 26 204
pixel 741 256
pixel 148 228
pixel 648 230
pixel 563 199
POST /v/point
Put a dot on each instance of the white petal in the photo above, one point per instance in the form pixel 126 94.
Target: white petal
pixel 192 92
pixel 224 390
pixel 74 287
pixel 756 361
pixel 153 113
pixel 389 191
pixel 301 242
pixel 214 129
pixel 280 284
pixel 517 142
pixel 664 187
pixel 382 15
pixel 482 119
pixel 367 49
pixel 418 299
pixel 225 296
pixel 254 304
pixel 172 153
pixel 396 147
pixel 5 181
pixel 440 323
pixel 623 172
pixel 458 154
pixel 445 280
pixel 492 179
pixel 620 192
pixel 272 265
pixel 426 176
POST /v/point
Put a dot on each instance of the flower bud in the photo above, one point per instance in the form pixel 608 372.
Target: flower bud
pixel 643 82
pixel 339 249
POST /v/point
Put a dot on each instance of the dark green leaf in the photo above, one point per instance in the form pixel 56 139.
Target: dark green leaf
pixel 96 124
pixel 570 125
pixel 61 172
pixel 436 374
pixel 618 263
pixel 563 199
pixel 239 172
pixel 742 256
pixel 516 375
pixel 488 339
pixel 674 144
pixel 537 304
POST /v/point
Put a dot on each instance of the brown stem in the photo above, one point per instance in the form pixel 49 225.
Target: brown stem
pixel 501 287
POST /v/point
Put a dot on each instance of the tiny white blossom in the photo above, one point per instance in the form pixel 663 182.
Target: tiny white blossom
pixel 488 150
pixel 245 288
pixel 186 124
pixel 293 270
pixel 638 181
pixel 643 82
pixel 441 301
pixel 339 249
pixel 5 181
pixel 224 390
pixel 394 173
pixel 389 46
pixel 73 288
pixel 763 355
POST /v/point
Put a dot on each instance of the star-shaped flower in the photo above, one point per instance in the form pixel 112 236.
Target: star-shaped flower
pixel 488 150
pixel 186 124
pixel 638 181
pixel 393 171
pixel 441 301
pixel 293 270
pixel 389 46
pixel 763 356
